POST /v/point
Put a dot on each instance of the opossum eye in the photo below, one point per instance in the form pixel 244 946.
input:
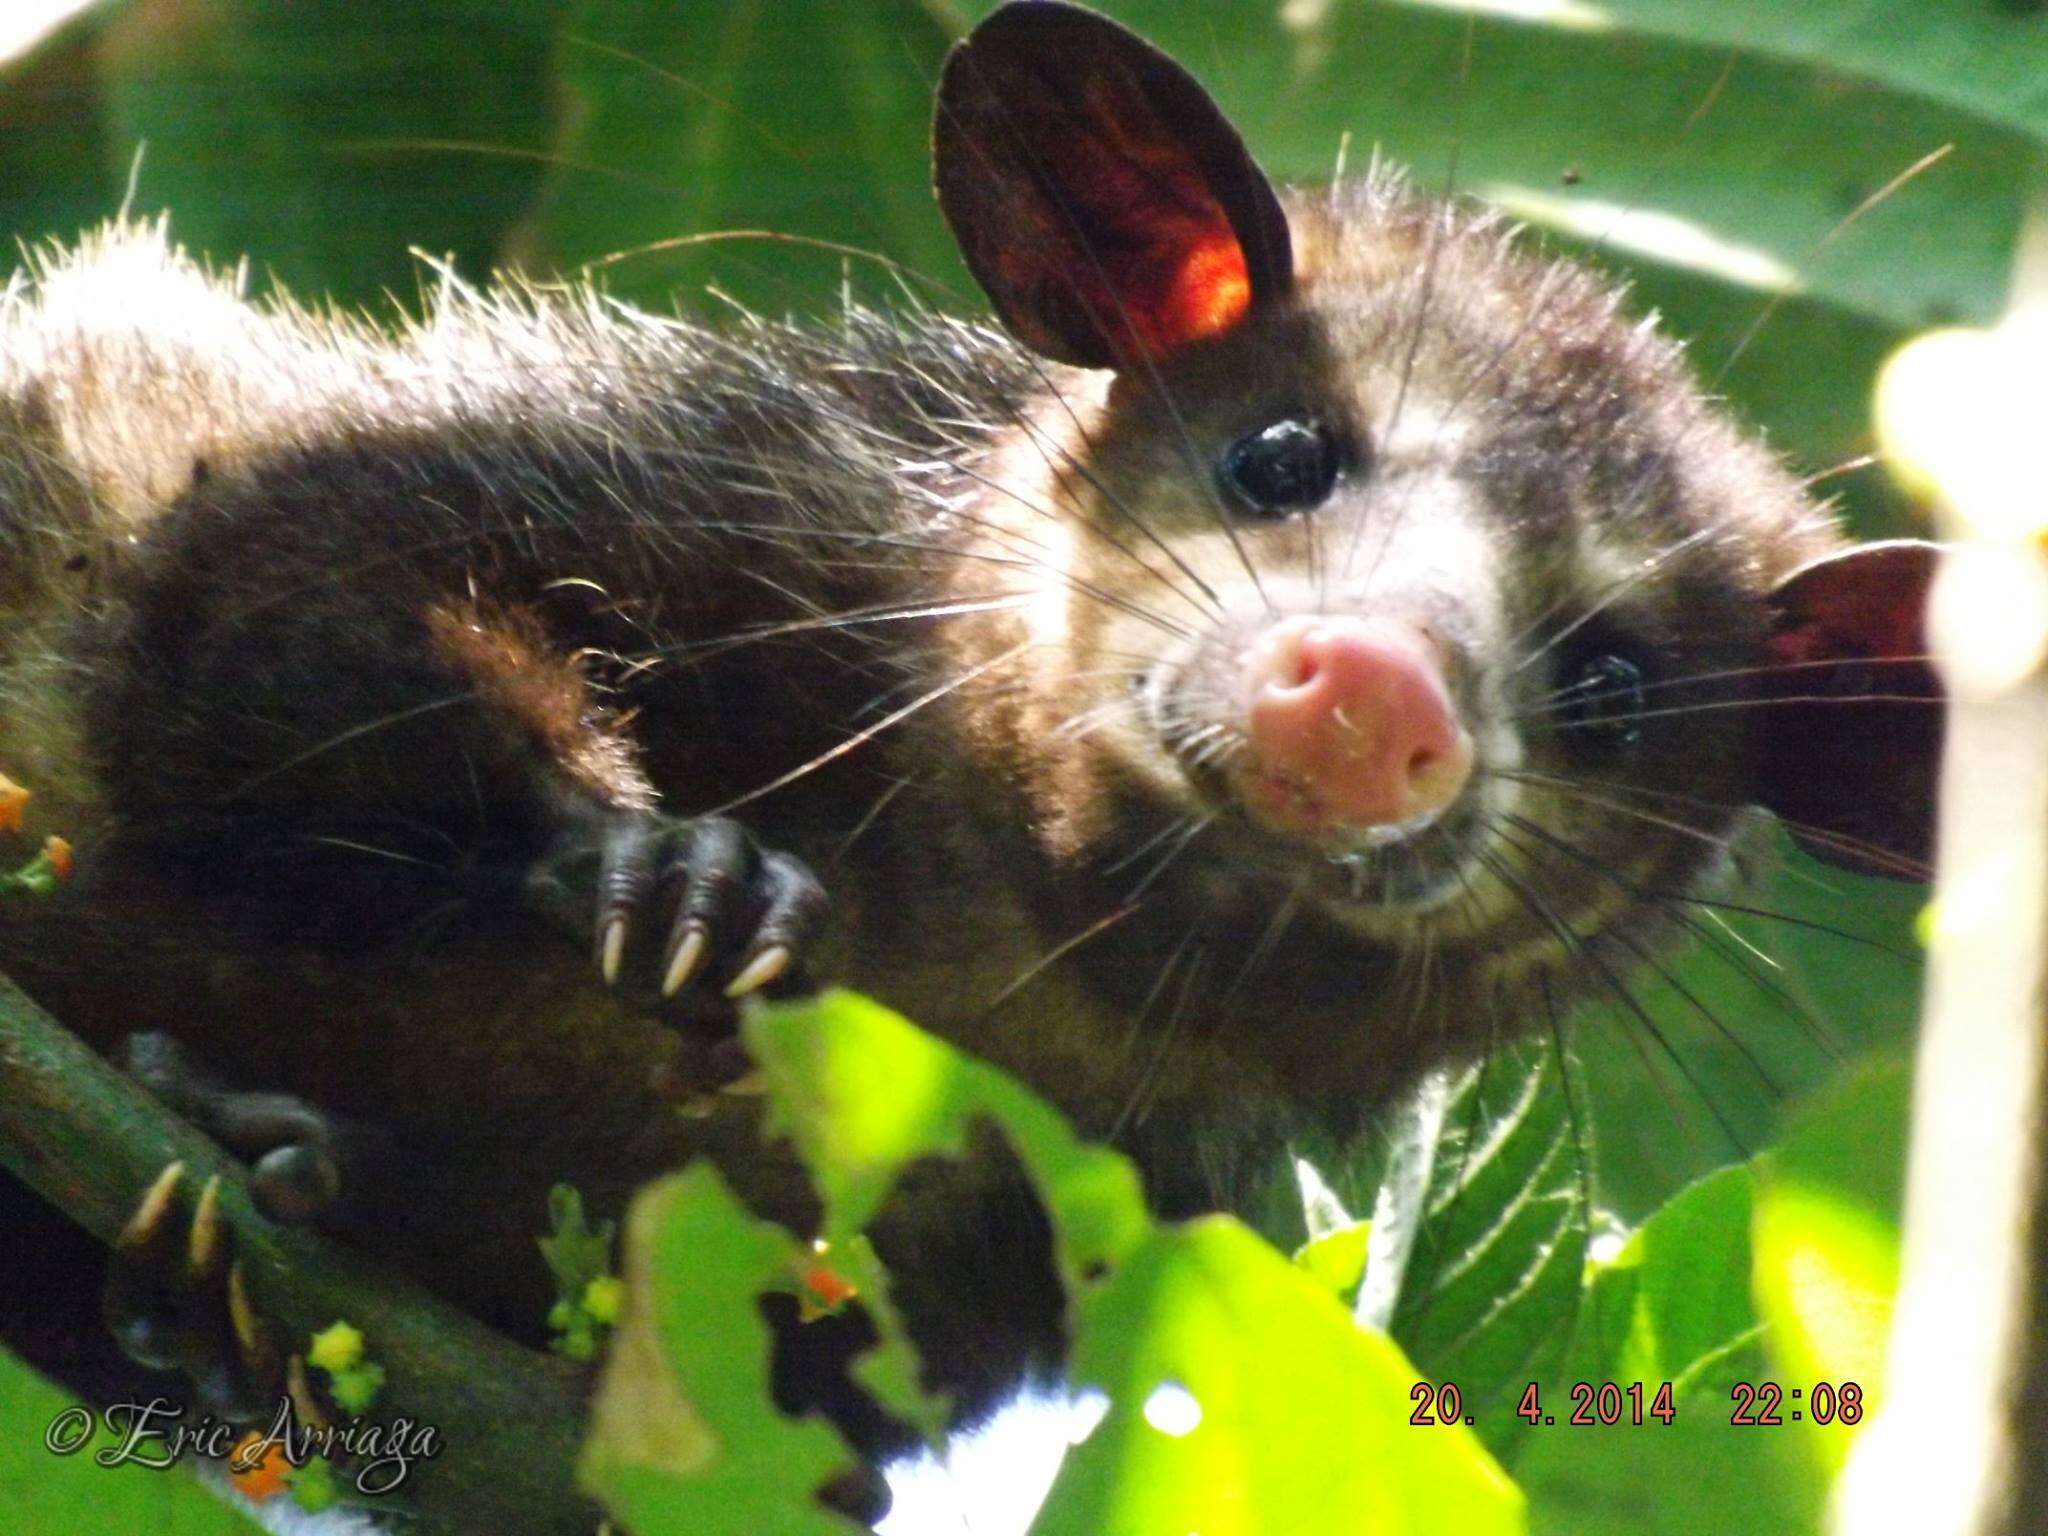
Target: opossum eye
pixel 1287 467
pixel 1601 703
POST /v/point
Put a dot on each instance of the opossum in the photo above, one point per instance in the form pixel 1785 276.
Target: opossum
pixel 1309 640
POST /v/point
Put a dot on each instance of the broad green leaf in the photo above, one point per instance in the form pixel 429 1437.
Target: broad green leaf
pixel 805 118
pixel 1673 1306
pixel 1989 60
pixel 1792 975
pixel 1698 1474
pixel 1491 1288
pixel 1304 1419
pixel 1827 1243
pixel 56 175
pixel 862 1093
pixel 1243 1402
pixel 46 1492
pixel 1676 1299
pixel 326 139
pixel 685 1437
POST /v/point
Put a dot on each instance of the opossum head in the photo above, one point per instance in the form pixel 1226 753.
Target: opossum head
pixel 1388 569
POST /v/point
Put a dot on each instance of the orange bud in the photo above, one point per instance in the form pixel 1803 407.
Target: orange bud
pixel 825 1291
pixel 263 1478
pixel 13 801
pixel 57 853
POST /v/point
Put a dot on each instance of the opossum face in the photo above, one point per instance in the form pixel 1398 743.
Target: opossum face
pixel 1401 575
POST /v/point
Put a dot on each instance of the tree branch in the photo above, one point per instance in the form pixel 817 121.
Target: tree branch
pixel 90 1140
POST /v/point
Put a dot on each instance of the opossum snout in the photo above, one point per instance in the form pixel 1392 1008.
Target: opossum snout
pixel 1350 724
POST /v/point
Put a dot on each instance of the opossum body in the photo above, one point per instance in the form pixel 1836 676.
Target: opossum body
pixel 1313 643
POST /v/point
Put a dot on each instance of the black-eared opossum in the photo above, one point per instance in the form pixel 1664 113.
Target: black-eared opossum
pixel 1312 630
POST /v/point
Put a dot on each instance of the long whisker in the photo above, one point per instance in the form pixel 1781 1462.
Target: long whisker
pixel 862 737
pixel 1899 863
pixel 1442 224
pixel 1196 828
pixel 1586 861
pixel 1055 955
pixel 1154 1076
pixel 1586 950
pixel 1883 194
pixel 1558 700
pixel 1613 594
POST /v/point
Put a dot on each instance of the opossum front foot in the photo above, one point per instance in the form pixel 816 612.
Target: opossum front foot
pixel 302 1160
pixel 175 1301
pixel 682 903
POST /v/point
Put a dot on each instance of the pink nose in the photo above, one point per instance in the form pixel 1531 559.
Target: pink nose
pixel 1351 725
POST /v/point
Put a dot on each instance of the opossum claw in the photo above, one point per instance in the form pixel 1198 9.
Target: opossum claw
pixel 176 1299
pixel 611 948
pixel 741 917
pixel 760 970
pixel 687 954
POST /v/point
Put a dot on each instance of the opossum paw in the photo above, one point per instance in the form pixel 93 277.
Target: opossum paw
pixel 684 904
pixel 175 1301
pixel 302 1160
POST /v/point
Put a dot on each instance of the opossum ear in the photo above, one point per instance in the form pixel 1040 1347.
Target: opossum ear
pixel 1849 712
pixel 1100 197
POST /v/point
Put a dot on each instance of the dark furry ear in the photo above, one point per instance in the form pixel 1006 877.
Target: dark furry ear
pixel 1850 716
pixel 1100 197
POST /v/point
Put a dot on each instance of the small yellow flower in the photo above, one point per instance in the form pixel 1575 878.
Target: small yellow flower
pixel 336 1348
pixel 603 1296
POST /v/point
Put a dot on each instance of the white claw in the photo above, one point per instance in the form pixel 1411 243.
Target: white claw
pixel 688 956
pixel 149 1211
pixel 750 1086
pixel 614 949
pixel 761 970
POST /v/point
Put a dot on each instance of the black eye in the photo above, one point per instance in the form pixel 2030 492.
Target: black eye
pixel 1287 467
pixel 1601 703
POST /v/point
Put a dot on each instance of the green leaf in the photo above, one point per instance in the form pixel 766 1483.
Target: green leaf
pixel 45 1493
pixel 805 118
pixel 1279 1416
pixel 861 1093
pixel 1807 967
pixel 1827 1243
pixel 327 139
pixel 1672 1306
pixel 685 1437
pixel 1695 1475
pixel 1488 1295
pixel 56 176
pixel 1676 1298
pixel 576 1252
pixel 1336 1260
pixel 1304 1418
pixel 1988 60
